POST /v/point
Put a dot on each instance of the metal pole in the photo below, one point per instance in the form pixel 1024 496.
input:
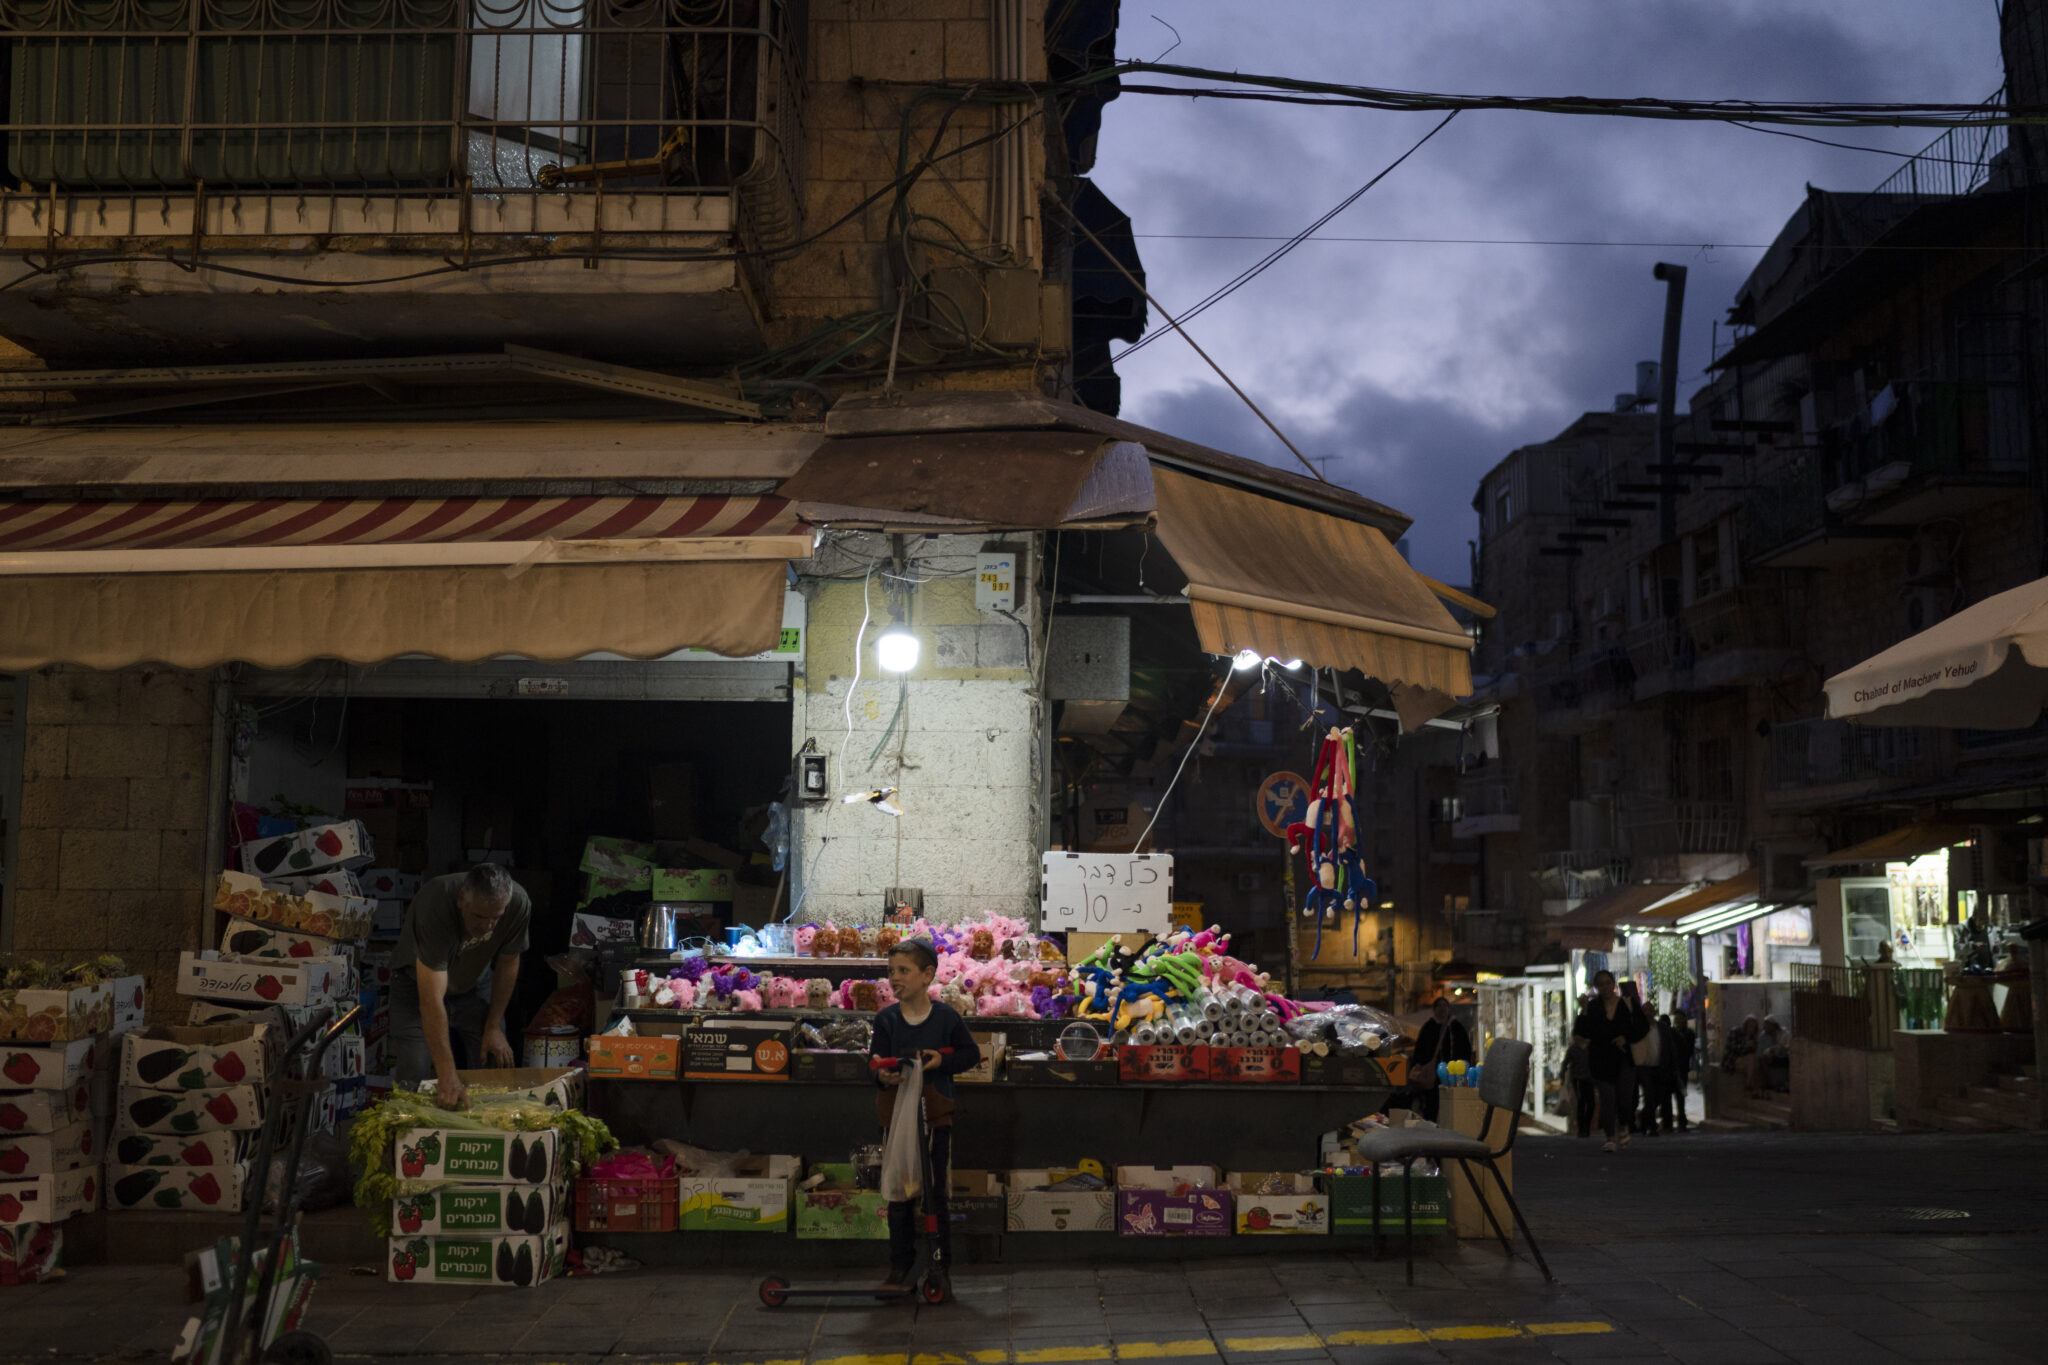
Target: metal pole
pixel 1667 399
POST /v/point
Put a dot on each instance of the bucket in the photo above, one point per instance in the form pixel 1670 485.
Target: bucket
pixel 558 1046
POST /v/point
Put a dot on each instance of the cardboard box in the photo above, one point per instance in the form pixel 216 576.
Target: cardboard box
pixel 194 1189
pixel 235 1108
pixel 205 1058
pixel 688 884
pixel 1166 1064
pixel 59 1015
pixel 27 1112
pixel 388 920
pixel 809 1066
pixel 626 860
pixel 67 1149
pixel 60 1066
pixel 131 1002
pixel 1052 1069
pixel 400 837
pixel 1395 1069
pixel 386 793
pixel 757 1200
pixel 839 1210
pixel 557 1087
pixel 596 931
pixel 1035 1210
pixel 1148 1204
pixel 262 981
pixel 1351 1205
pixel 1298 1208
pixel 992 1046
pixel 388 883
pixel 243 895
pixel 254 938
pixel 509 1261
pixel 484 1157
pixel 159 1149
pixel 978 1199
pixel 1255 1065
pixel 641 1058
pixel 337 881
pixel 317 847
pixel 1460 1109
pixel 481 1210
pixel 746 1049
pixel 49 1198
pixel 1341 1068
pixel 31 1253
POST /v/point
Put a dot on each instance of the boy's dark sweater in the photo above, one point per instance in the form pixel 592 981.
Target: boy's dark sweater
pixel 943 1028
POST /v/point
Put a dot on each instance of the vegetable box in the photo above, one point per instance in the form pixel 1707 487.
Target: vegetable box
pixel 1172 1201
pixel 557 1087
pixel 691 884
pixel 344 844
pixel 478 1154
pixel 254 938
pixel 245 895
pixel 49 1198
pixel 1270 1203
pixel 262 981
pixel 1351 1205
pixel 27 1112
pixel 190 1112
pixel 66 1149
pixel 31 1253
pixel 838 1210
pixel 198 1189
pixel 1036 1210
pixel 388 883
pixel 60 1066
pixel 32 1015
pixel 164 1149
pixel 131 1002
pixel 519 1261
pixel 480 1210
pixel 738 1049
pixel 755 1200
pixel 641 1058
pixel 203 1058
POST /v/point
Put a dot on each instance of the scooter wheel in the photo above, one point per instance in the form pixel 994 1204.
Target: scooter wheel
pixel 936 1291
pixel 774 1291
pixel 298 1348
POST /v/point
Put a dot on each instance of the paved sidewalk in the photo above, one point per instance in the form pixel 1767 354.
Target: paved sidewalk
pixel 1695 1250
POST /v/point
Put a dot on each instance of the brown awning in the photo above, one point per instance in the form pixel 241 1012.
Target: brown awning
pixel 1291 583
pixel 1024 480
pixel 1740 887
pixel 1591 926
pixel 1896 846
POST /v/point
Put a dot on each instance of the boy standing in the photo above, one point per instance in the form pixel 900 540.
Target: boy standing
pixel 921 1027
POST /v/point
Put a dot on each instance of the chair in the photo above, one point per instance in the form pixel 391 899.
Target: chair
pixel 1502 1085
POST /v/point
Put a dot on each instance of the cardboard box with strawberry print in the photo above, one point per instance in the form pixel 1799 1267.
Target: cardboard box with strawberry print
pixel 315 848
pixel 254 938
pixel 67 1149
pixel 511 1261
pixel 60 1066
pixel 388 883
pixel 480 1210
pixel 35 1015
pixel 487 1156
pixel 31 1252
pixel 201 1189
pixel 49 1198
pixel 262 981
pixel 196 1111
pixel 208 1058
pixel 164 1149
pixel 26 1112
pixel 245 896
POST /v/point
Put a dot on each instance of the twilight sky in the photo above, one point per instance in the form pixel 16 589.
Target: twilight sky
pixel 1419 366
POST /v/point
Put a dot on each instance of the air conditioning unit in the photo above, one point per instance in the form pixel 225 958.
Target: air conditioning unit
pixel 1995 859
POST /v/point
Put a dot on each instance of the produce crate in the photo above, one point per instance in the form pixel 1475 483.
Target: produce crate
pixel 627 1205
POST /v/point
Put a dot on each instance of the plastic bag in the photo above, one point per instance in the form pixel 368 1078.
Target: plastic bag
pixel 1351 1028
pixel 776 836
pixel 700 1163
pixel 902 1157
pixel 574 1004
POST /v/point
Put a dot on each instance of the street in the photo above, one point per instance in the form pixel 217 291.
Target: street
pixel 1710 1248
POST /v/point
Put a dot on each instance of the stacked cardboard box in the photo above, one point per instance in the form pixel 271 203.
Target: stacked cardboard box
pixel 50 1149
pixel 502 1221
pixel 190 1101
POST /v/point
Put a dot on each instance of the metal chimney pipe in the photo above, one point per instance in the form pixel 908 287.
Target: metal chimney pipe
pixel 1667 399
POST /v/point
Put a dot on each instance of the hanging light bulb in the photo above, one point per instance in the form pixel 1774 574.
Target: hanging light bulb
pixel 1292 664
pixel 1246 658
pixel 896 650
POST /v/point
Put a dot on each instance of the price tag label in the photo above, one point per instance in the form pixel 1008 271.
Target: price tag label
pixel 1106 893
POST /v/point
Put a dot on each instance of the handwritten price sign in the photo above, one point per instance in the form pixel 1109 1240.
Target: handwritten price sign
pixel 1106 893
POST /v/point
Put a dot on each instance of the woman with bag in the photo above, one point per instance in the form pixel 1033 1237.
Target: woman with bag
pixel 1608 1029
pixel 1442 1039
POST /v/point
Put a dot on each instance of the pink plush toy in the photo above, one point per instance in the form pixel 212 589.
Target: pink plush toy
pixel 885 995
pixel 682 994
pixel 803 938
pixel 747 1000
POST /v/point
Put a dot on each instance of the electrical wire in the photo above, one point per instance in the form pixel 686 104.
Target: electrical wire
pixel 866 612
pixel 1222 686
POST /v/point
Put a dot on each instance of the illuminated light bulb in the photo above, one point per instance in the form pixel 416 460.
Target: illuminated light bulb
pixel 1246 658
pixel 896 650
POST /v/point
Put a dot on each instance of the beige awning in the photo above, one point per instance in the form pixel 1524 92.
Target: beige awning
pixel 1664 915
pixel 1023 480
pixel 1591 926
pixel 1900 845
pixel 1291 583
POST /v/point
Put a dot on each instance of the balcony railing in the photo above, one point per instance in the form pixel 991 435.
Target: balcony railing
pixel 1657 825
pixel 1490 931
pixel 412 97
pixel 1828 753
pixel 1574 874
pixel 1487 791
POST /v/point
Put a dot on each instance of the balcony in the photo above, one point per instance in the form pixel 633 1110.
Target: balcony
pixel 1576 692
pixel 1487 803
pixel 1742 636
pixel 1664 827
pixel 1500 936
pixel 1814 763
pixel 580 174
pixel 1571 875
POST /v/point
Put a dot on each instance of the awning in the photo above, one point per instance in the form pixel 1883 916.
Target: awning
pixel 1901 845
pixel 1290 583
pixel 1985 668
pixel 1665 916
pixel 1025 480
pixel 1725 917
pixel 1591 926
pixel 277 582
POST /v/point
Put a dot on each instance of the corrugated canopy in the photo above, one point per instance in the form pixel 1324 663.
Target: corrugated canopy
pixel 1291 583
pixel 1591 926
pixel 1664 916
pixel 1036 480
pixel 1900 845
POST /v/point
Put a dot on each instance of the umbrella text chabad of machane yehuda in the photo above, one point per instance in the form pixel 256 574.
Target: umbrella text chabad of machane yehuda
pixel 1985 668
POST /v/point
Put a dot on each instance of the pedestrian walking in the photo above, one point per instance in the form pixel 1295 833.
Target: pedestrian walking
pixel 1579 1076
pixel 1607 1029
pixel 1666 1085
pixel 1442 1039
pixel 1684 1046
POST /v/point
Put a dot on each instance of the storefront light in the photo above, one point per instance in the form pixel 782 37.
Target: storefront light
pixel 896 650
pixel 1246 658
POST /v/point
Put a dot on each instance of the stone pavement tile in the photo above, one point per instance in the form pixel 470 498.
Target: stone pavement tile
pixel 1747 1352
pixel 1261 1357
pixel 1812 1281
pixel 1162 1327
pixel 1946 1347
pixel 1799 1342
pixel 1608 1346
pixel 1767 1313
pixel 1418 1354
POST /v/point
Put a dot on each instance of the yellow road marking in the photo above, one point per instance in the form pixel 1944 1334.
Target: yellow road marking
pixel 1045 1353
pixel 864 1360
pixel 1308 1342
pixel 1154 1350
pixel 1567 1329
pixel 1389 1336
pixel 1472 1333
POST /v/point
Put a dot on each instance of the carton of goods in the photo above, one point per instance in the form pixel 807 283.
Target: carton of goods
pixel 336 882
pixel 386 793
pixel 1033 1208
pixel 163 1149
pixel 131 1002
pixel 31 1253
pixel 1341 1068
pixel 557 1087
pixel 255 938
pixel 262 981
pixel 389 884
pixel 1048 1067
pixel 1255 1065
pixel 49 1198
pixel 516 1261
pixel 33 1014
pixel 190 1112
pixel 636 1058
pixel 66 1149
pixel 480 1210
pixel 60 1066
pixel 491 1157
pixel 245 896
pixel 1172 1201
pixel 836 1209
pixel 388 920
pixel 203 1058
pixel 26 1112
pixel 313 849
pixel 1351 1205
pixel 1277 1202
pixel 728 1049
pixel 199 1189
pixel 627 859
pixel 1169 1063
pixel 598 931
pixel 827 1066
pixel 990 1066
pixel 754 1199
pixel 692 884
pixel 976 1198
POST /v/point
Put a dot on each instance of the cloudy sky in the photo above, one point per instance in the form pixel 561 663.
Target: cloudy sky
pixel 1419 365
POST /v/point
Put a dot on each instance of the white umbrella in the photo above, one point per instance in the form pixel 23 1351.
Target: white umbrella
pixel 1985 668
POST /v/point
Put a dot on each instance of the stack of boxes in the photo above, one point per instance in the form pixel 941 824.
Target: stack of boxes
pixel 503 1220
pixel 191 1100
pixel 392 890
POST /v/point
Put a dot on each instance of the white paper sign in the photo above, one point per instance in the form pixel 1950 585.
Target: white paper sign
pixel 1106 893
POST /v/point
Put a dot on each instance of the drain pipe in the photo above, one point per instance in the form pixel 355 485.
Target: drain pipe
pixel 1667 400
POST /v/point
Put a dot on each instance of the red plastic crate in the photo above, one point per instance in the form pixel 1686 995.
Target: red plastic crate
pixel 627 1205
